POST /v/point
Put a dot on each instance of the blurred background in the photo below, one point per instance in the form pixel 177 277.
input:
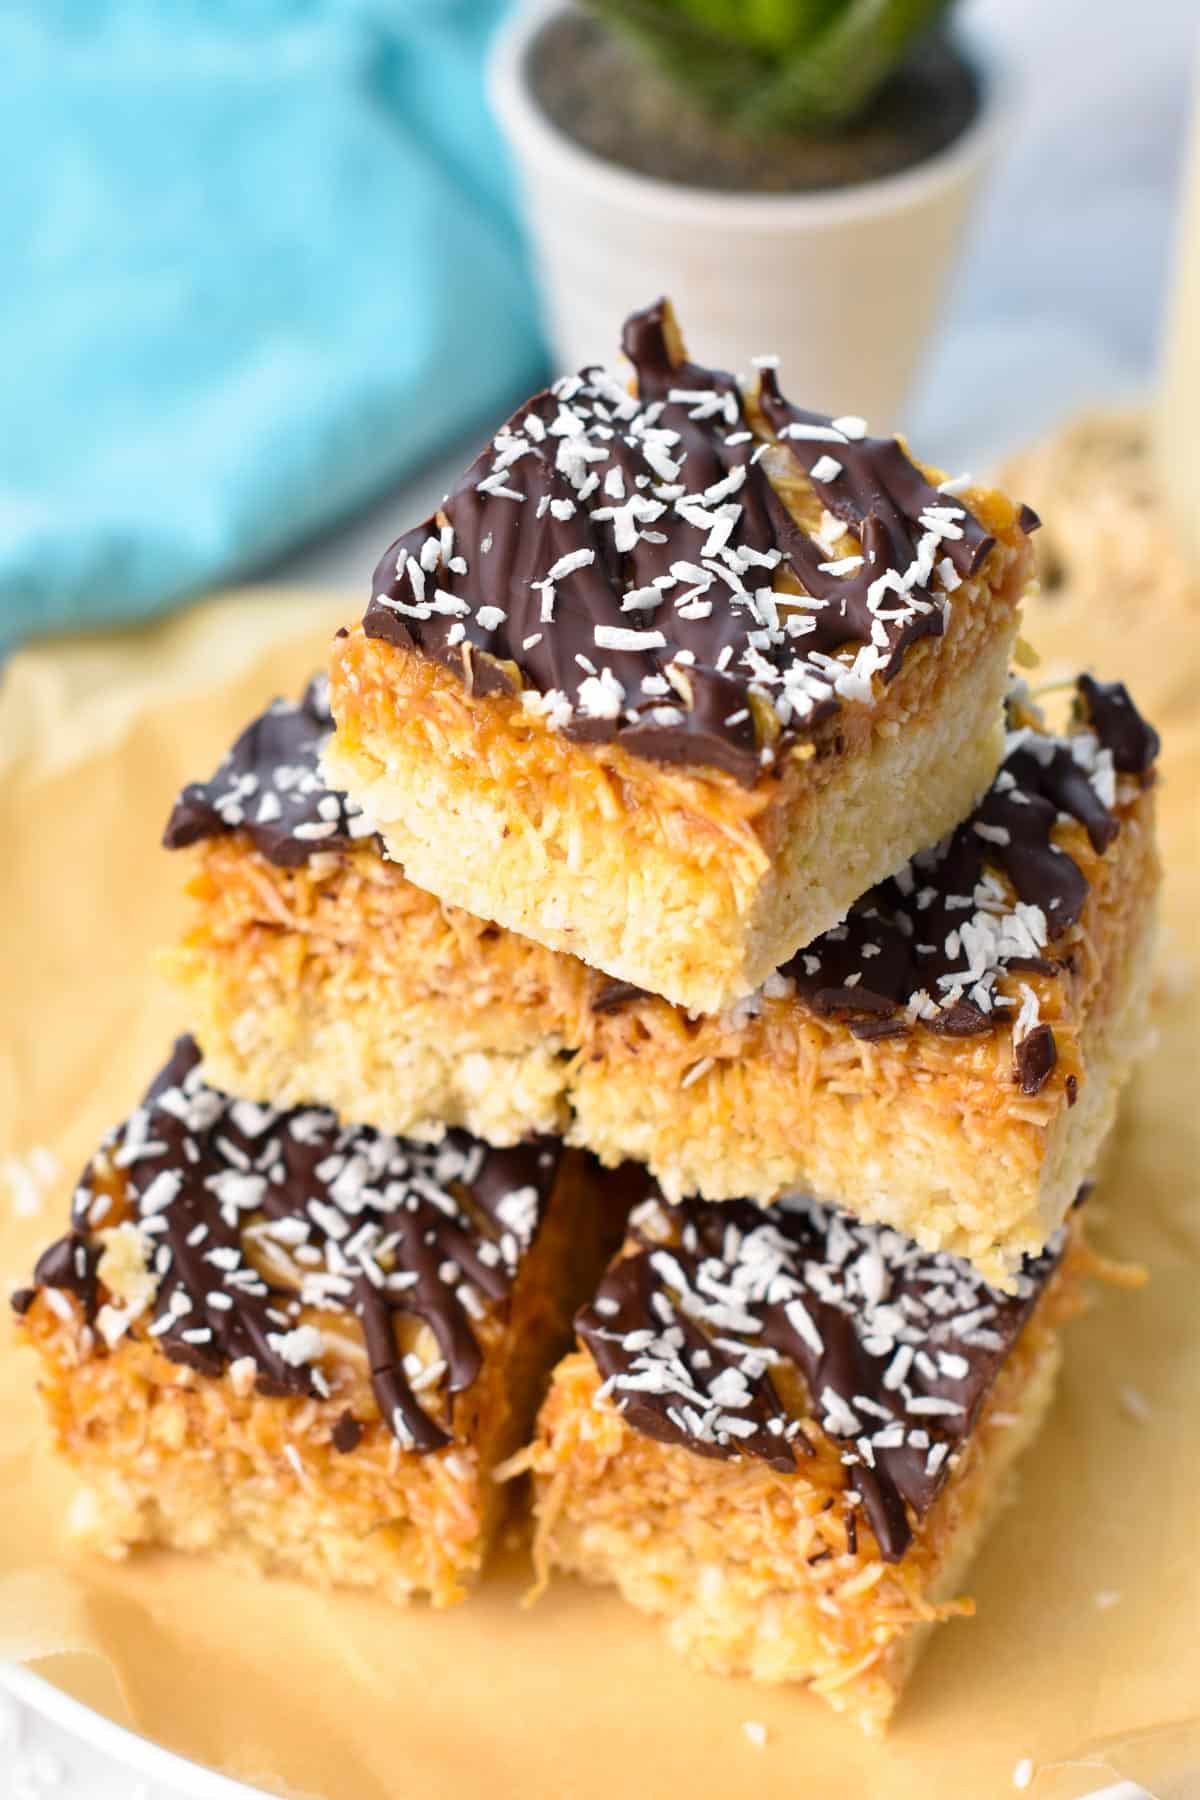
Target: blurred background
pixel 271 268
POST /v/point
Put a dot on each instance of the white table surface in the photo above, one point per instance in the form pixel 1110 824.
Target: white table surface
pixel 1058 304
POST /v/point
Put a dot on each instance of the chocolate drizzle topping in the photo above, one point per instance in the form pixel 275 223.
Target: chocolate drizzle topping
pixel 885 500
pixel 929 945
pixel 1114 718
pixel 1035 1057
pixel 373 1226
pixel 347 1434
pixel 70 1264
pixel 628 565
pixel 269 785
pixel 898 1346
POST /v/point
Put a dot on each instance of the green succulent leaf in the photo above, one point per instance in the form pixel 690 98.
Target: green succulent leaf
pixel 688 45
pixel 772 27
pixel 830 81
pixel 775 65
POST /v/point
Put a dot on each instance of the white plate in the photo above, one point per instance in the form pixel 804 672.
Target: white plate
pixel 134 1754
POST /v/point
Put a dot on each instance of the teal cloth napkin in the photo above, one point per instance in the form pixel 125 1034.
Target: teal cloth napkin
pixel 257 259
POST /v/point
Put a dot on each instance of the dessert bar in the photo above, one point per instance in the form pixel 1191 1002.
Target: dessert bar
pixel 949 1060
pixel 785 1433
pixel 305 1343
pixel 674 675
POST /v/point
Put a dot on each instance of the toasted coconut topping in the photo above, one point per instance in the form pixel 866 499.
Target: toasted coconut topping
pixel 897 1347
pixel 246 1227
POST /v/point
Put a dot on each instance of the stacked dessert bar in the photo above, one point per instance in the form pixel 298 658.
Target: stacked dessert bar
pixel 667 853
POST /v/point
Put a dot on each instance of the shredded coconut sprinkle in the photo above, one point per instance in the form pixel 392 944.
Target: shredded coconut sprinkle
pixel 665 503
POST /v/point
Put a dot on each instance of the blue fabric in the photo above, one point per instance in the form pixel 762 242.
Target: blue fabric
pixel 257 259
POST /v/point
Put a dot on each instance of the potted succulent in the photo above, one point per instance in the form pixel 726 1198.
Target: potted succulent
pixel 796 174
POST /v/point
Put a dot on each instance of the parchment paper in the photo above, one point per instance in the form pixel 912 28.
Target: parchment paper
pixel 338 1696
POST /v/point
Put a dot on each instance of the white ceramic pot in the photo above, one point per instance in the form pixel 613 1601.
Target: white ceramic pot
pixel 844 284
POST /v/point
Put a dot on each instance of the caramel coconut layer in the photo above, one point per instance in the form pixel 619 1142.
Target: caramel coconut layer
pixel 307 1341
pixel 647 686
pixel 948 1060
pixel 785 1433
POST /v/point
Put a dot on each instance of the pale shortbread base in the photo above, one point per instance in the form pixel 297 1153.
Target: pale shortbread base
pixel 264 1514
pixel 405 1075
pixel 673 880
pixel 904 793
pixel 1076 1141
pixel 749 1570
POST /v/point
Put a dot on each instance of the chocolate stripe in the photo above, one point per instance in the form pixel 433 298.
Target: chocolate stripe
pixel 269 786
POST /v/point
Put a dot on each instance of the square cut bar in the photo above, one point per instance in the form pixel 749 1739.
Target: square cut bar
pixel 307 1344
pixel 949 1061
pixel 785 1434
pixel 674 676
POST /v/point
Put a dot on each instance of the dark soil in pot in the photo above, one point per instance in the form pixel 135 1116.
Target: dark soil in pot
pixel 603 96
